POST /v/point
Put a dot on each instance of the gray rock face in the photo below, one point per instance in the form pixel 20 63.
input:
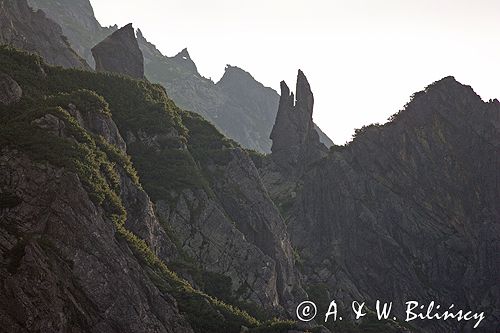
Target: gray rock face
pixel 214 242
pixel 34 32
pixel 295 141
pixel 239 234
pixel 246 201
pixel 99 124
pixel 62 268
pixel 10 91
pixel 78 24
pixel 409 210
pixel 120 53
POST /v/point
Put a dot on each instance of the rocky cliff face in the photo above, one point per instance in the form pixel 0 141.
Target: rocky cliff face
pixel 34 32
pixel 120 53
pixel 219 224
pixel 409 210
pixel 62 267
pixel 239 106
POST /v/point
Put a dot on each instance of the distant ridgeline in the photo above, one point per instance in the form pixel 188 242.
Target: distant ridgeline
pixel 121 212
pixel 239 106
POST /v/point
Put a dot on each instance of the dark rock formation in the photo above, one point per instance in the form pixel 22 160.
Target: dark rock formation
pixel 120 53
pixel 34 32
pixel 10 91
pixel 409 210
pixel 296 143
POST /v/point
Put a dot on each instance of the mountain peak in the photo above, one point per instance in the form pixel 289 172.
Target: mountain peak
pixel 139 34
pixel 184 54
pixel 183 59
pixel 120 53
pixel 237 77
pixel 305 97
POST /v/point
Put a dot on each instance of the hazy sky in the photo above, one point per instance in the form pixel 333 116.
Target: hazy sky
pixel 363 58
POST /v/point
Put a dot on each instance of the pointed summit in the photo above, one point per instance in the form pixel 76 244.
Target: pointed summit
pixel 305 97
pixel 295 140
pixel 183 59
pixel 120 53
pixel 139 34
pixel 184 54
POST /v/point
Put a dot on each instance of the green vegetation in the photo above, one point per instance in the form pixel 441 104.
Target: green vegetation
pixel 40 126
pixel 205 142
pixel 80 154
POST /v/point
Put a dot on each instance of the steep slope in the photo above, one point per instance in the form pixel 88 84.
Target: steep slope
pixel 78 22
pixel 408 210
pixel 66 264
pixel 34 32
pixel 191 172
pixel 239 106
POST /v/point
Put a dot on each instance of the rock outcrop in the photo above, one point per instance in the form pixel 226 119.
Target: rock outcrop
pixel 296 143
pixel 141 217
pixel 62 268
pixel 120 53
pixel 32 31
pixel 10 91
pixel 409 210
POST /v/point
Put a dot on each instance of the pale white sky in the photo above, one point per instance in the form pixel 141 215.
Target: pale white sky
pixel 363 58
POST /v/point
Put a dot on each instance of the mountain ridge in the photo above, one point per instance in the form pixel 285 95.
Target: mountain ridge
pixel 105 178
pixel 236 119
pixel 412 200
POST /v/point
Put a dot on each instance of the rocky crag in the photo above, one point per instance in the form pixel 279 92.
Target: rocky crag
pixel 120 53
pixel 21 27
pixel 407 210
pixel 239 106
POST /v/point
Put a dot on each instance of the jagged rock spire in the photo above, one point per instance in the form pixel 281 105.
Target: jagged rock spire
pixel 295 140
pixel 305 97
pixel 120 53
